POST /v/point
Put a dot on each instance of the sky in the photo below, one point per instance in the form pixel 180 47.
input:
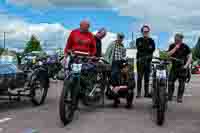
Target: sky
pixel 52 20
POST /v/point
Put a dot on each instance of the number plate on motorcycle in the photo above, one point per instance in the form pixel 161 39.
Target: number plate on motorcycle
pixel 40 63
pixel 161 73
pixel 76 68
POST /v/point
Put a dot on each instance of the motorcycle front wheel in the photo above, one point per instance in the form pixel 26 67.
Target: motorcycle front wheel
pixel 39 92
pixel 66 111
pixel 162 104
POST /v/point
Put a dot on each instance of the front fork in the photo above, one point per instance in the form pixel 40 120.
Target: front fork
pixel 157 85
pixel 74 90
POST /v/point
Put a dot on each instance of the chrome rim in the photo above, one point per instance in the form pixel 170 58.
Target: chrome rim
pixel 39 91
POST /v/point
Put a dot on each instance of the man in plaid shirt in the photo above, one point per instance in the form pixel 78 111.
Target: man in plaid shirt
pixel 115 54
pixel 116 50
pixel 119 52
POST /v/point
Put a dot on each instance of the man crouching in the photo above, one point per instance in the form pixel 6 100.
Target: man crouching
pixel 126 86
pixel 115 55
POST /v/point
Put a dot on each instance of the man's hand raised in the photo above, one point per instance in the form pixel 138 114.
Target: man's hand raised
pixel 178 46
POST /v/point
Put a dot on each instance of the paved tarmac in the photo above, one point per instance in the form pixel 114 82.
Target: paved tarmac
pixel 23 117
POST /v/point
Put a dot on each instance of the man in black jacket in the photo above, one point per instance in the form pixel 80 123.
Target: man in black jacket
pixel 179 70
pixel 145 48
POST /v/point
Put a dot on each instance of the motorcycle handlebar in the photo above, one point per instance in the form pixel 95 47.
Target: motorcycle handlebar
pixel 169 59
pixel 166 61
pixel 85 55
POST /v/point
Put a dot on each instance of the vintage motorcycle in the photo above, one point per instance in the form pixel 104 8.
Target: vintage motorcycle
pixel 84 80
pixel 18 80
pixel 54 66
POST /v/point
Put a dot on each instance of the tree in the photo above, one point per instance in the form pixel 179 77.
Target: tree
pixel 196 50
pixel 33 45
pixel 194 56
pixel 132 45
pixel 164 55
pixel 1 50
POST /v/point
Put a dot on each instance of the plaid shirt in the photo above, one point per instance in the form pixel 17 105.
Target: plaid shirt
pixel 119 52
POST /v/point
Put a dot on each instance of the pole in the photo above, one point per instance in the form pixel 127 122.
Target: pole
pixel 132 36
pixel 4 40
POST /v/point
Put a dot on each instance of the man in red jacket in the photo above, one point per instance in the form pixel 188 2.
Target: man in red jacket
pixel 81 41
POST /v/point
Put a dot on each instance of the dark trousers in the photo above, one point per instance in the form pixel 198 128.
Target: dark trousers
pixel 115 73
pixel 181 75
pixel 143 70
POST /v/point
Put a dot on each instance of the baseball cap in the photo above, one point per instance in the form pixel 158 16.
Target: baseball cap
pixel 102 31
pixel 120 35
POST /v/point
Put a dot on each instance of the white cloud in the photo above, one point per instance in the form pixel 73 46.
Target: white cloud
pixel 190 38
pixel 166 15
pixel 18 32
pixel 54 35
pixel 35 3
pixel 63 3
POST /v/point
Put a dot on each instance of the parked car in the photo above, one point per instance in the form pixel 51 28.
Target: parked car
pixel 196 67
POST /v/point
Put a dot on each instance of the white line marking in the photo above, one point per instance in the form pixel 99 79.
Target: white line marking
pixel 5 119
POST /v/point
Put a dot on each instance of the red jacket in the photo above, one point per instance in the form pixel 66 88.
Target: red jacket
pixel 83 42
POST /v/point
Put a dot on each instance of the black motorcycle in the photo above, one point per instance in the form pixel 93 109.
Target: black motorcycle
pixel 24 80
pixel 83 81
pixel 54 66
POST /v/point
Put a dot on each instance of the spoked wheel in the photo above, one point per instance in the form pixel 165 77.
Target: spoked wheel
pixel 161 104
pixel 39 92
pixel 154 93
pixel 65 106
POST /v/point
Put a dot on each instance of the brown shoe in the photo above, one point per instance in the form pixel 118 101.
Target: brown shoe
pixel 129 106
pixel 179 100
pixel 116 103
pixel 138 96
